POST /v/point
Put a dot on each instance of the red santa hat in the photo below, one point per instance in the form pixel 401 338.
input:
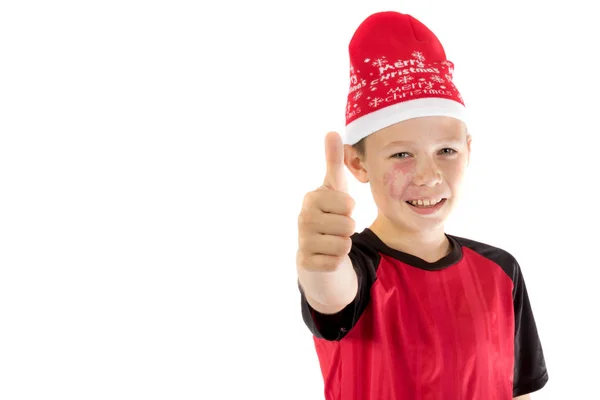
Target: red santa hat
pixel 398 71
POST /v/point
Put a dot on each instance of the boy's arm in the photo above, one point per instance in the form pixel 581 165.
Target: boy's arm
pixel 524 397
pixel 325 227
pixel 530 373
pixel 332 278
pixel 329 292
pixel 334 321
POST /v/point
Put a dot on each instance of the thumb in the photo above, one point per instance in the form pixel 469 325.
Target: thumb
pixel 335 178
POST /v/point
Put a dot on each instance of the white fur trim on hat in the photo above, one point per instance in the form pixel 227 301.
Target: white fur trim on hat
pixel 384 117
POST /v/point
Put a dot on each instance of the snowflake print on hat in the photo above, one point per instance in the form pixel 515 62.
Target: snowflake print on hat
pixel 418 55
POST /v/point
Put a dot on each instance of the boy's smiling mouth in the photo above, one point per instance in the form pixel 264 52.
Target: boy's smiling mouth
pixel 427 202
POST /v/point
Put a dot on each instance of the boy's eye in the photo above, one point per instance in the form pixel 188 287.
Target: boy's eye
pixel 404 154
pixel 448 151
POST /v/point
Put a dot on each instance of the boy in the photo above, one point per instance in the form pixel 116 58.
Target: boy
pixel 403 310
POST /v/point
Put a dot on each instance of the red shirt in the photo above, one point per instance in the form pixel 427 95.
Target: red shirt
pixel 458 328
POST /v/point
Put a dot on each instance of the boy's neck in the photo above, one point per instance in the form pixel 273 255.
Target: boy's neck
pixel 427 245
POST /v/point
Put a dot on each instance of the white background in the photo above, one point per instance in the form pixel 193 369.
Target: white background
pixel 153 160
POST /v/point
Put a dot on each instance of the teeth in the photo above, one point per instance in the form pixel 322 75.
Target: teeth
pixel 426 202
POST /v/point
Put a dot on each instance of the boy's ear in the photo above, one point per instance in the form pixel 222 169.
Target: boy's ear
pixel 355 164
pixel 469 137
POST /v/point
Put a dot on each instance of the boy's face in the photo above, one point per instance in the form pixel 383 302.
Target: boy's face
pixel 419 159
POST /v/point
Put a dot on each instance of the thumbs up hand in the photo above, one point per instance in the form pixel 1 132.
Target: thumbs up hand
pixel 325 223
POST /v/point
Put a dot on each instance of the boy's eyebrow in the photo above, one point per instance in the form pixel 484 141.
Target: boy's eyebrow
pixel 450 140
pixel 396 143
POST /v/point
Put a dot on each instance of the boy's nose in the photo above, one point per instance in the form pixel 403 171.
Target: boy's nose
pixel 427 173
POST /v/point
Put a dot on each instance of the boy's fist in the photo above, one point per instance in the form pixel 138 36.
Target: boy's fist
pixel 325 224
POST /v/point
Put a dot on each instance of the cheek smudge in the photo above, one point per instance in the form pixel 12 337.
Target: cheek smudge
pixel 396 180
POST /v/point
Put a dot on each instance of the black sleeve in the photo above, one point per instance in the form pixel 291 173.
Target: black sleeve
pixel 530 373
pixel 335 326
